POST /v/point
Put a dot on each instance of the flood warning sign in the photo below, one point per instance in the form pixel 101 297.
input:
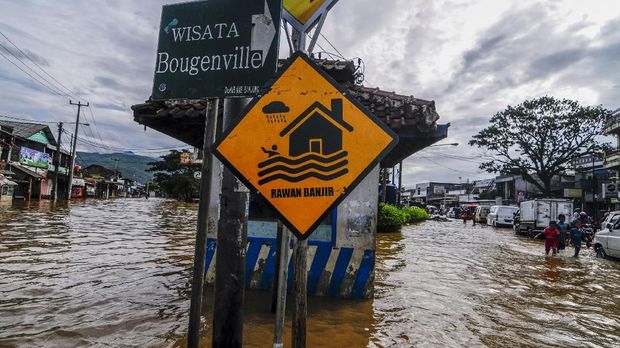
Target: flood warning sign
pixel 304 145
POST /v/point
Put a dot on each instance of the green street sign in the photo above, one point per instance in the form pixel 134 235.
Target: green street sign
pixel 216 48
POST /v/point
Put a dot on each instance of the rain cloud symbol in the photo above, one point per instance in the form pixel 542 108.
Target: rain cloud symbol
pixel 274 112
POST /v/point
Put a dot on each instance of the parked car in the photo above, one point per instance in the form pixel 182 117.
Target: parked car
pixel 535 215
pixel 501 215
pixel 607 241
pixel 482 212
pixel 454 212
pixel 431 209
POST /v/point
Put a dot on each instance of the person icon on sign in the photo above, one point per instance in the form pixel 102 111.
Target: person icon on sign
pixel 272 152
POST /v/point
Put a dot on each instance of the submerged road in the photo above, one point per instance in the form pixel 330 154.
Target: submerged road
pixel 116 274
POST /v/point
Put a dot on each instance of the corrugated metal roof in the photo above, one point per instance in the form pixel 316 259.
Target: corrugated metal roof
pixel 26 130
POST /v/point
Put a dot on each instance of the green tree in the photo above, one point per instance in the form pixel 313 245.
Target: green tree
pixel 174 179
pixel 540 138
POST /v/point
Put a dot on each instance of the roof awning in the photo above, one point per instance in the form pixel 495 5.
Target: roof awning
pixel 413 119
pixel 7 182
pixel 27 171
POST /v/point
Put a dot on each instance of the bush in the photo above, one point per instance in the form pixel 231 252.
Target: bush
pixel 391 216
pixel 415 214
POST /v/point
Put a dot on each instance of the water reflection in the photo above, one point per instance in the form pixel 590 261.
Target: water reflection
pixel 117 273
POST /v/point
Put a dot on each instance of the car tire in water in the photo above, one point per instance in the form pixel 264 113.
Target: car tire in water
pixel 600 252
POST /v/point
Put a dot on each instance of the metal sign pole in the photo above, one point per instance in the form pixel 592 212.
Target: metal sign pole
pixel 193 336
pixel 298 335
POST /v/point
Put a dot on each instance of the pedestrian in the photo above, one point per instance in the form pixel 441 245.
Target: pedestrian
pixel 564 228
pixel 473 217
pixel 576 236
pixel 576 215
pixel 551 238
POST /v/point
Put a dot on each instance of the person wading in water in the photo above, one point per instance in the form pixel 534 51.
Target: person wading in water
pixel 576 236
pixel 564 228
pixel 551 238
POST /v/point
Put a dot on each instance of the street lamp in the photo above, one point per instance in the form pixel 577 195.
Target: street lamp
pixel 447 144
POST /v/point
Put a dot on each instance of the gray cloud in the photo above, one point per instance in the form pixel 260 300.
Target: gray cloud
pixel 106 53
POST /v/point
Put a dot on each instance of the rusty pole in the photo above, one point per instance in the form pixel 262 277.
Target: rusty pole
pixel 232 236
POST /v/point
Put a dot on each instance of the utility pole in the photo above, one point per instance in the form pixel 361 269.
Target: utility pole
pixel 193 337
pixel 57 163
pixel 115 166
pixel 74 146
pixel 400 183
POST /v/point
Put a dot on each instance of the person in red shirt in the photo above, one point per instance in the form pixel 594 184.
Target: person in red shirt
pixel 551 238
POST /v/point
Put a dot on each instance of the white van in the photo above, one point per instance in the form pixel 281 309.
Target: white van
pixel 501 215
pixel 482 211
pixel 607 240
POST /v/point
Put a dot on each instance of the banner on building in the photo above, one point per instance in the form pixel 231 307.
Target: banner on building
pixel 33 158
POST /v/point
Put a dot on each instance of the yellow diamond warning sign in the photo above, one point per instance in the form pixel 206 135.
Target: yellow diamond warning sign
pixel 304 145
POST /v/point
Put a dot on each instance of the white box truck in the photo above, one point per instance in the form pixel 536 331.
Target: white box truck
pixel 536 214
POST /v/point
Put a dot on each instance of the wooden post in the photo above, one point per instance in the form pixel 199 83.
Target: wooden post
pixel 383 172
pixel 274 293
pixel 29 188
pixel 300 310
pixel 231 247
pixel 200 249
pixel 282 272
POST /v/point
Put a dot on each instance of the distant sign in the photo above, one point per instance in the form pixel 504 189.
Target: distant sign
pixel 611 188
pixel 33 158
pixel 216 48
pixel 303 14
pixel 197 175
pixel 305 145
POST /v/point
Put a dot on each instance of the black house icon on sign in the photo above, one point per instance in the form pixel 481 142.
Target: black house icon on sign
pixel 317 130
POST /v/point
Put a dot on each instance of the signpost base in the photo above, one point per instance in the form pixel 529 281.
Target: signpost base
pixel 300 289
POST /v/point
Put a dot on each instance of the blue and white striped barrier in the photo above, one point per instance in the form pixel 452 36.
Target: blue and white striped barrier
pixel 334 272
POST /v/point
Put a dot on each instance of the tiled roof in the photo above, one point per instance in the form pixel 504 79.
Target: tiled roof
pixel 394 109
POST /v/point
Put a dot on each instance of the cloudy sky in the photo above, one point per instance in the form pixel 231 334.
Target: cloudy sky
pixel 473 57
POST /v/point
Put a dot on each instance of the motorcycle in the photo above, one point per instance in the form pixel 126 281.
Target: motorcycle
pixel 589 232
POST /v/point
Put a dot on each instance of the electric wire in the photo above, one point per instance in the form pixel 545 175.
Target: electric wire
pixel 32 77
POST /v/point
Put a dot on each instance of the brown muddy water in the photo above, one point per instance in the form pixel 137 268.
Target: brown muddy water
pixel 116 274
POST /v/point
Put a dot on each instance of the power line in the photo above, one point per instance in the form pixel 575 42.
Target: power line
pixel 334 47
pixel 54 88
pixel 452 169
pixel 114 148
pixel 36 64
pixel 32 77
pixel 24 119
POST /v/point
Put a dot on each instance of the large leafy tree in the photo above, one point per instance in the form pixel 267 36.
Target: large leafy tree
pixel 174 179
pixel 540 138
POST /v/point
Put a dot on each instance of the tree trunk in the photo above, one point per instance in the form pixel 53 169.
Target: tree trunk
pixel 547 183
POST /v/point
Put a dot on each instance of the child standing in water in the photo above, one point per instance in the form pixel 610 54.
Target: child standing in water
pixel 551 238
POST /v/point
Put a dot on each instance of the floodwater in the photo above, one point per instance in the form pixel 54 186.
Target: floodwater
pixel 116 274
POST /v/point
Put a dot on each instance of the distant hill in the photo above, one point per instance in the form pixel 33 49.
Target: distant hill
pixel 130 165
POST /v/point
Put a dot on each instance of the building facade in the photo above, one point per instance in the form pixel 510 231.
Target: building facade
pixel 612 158
pixel 27 157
